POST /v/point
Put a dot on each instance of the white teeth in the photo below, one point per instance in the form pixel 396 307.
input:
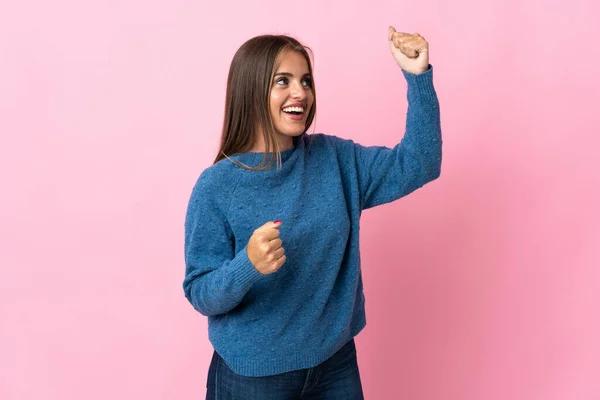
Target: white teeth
pixel 294 109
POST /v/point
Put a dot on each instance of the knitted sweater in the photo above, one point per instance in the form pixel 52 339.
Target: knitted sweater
pixel 302 314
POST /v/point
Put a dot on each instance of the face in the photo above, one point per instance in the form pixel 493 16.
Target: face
pixel 291 97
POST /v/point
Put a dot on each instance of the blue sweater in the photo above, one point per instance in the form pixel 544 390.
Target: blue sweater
pixel 302 314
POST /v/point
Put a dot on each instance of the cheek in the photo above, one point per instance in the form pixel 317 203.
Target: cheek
pixel 275 103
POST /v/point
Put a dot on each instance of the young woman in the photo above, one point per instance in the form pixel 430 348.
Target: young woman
pixel 272 228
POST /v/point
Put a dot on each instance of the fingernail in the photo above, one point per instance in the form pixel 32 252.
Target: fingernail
pixel 278 221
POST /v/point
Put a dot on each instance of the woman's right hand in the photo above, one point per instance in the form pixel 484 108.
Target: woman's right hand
pixel 264 248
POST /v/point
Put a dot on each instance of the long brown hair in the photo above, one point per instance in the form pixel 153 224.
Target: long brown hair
pixel 247 97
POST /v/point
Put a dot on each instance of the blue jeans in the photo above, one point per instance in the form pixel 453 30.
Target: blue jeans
pixel 337 378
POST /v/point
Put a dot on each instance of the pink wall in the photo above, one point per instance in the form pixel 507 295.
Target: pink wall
pixel 482 285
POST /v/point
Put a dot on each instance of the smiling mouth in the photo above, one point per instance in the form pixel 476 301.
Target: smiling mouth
pixel 295 118
pixel 294 110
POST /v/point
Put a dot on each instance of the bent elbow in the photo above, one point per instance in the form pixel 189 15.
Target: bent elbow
pixel 433 170
pixel 436 172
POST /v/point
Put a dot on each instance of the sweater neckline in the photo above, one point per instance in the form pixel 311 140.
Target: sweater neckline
pixel 255 157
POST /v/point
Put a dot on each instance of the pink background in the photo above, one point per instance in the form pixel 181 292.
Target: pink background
pixel 482 285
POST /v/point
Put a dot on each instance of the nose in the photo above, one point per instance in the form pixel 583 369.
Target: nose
pixel 298 91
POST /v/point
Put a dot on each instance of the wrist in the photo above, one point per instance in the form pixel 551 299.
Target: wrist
pixel 417 71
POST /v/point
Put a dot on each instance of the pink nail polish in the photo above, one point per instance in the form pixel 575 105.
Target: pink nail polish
pixel 278 221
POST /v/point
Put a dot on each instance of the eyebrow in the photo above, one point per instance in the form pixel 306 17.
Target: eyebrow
pixel 289 74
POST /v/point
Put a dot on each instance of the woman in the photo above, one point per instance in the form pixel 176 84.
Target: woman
pixel 272 228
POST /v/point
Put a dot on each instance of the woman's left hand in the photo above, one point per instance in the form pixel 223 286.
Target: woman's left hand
pixel 411 51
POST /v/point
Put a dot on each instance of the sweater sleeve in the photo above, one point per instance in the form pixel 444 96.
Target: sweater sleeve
pixel 385 174
pixel 216 279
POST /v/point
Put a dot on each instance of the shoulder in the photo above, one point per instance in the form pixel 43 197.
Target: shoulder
pixel 331 141
pixel 214 183
pixel 217 174
pixel 333 146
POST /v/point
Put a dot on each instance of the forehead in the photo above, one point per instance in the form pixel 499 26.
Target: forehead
pixel 292 61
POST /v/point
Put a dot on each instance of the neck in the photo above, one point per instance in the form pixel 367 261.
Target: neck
pixel 285 143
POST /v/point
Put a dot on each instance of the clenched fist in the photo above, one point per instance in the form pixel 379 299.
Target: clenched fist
pixel 411 51
pixel 264 248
